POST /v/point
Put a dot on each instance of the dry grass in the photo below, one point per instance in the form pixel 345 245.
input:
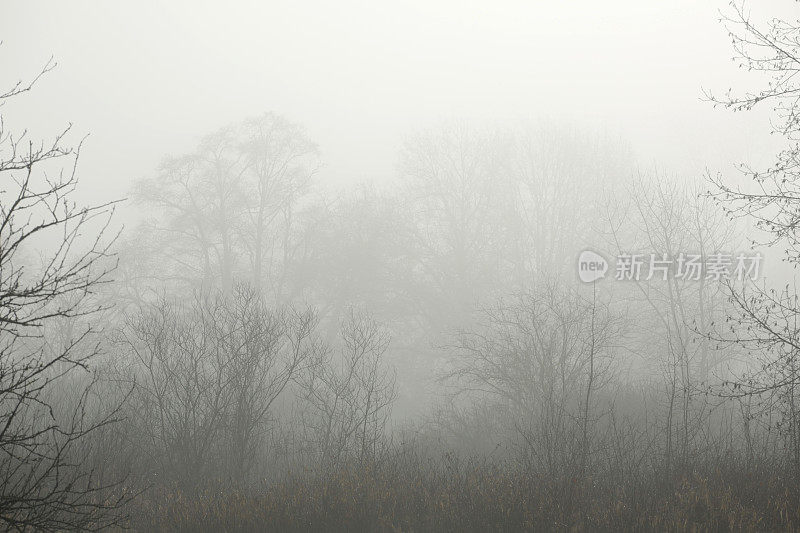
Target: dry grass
pixel 476 497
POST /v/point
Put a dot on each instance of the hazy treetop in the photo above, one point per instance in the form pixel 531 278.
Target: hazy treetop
pixel 149 78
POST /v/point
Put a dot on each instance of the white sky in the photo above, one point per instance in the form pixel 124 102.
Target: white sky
pixel 148 78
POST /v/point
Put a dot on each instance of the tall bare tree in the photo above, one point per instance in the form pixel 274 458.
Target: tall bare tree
pixel 226 211
pixel 54 255
pixel 664 226
pixel 764 320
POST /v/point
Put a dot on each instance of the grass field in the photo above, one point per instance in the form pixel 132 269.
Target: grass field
pixel 477 497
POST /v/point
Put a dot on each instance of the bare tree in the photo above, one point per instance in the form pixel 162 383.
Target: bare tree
pixel 764 320
pixel 773 201
pixel 206 376
pixel 226 211
pixel 557 176
pixel 765 324
pixel 539 358
pixel 348 396
pixel 281 161
pixel 267 349
pixel 45 480
pixel 663 226
pixel 456 199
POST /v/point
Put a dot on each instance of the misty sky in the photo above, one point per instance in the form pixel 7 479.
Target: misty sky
pixel 147 79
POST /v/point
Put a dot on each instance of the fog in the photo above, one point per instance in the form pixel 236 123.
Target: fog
pixel 147 79
pixel 412 266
